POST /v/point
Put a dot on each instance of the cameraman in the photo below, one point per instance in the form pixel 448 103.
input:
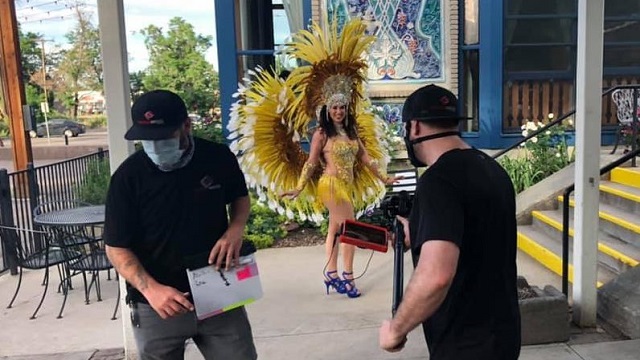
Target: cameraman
pixel 463 242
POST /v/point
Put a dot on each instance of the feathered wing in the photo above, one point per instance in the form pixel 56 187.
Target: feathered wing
pixel 367 189
pixel 272 116
pixel 268 146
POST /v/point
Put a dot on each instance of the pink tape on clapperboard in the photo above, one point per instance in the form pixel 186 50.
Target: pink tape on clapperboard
pixel 247 272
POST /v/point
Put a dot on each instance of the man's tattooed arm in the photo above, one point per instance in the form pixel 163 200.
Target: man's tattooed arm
pixel 129 267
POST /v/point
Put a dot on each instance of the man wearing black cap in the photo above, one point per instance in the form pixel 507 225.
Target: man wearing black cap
pixel 166 211
pixel 462 235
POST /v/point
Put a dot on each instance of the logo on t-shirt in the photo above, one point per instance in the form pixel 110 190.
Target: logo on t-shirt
pixel 208 183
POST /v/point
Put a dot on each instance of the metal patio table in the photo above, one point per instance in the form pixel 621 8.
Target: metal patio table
pixel 79 219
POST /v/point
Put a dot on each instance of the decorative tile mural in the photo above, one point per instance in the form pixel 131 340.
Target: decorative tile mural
pixel 390 112
pixel 409 36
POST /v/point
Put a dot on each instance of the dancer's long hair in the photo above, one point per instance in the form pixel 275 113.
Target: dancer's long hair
pixel 327 124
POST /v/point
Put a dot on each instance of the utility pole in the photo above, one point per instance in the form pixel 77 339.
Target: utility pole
pixel 45 107
pixel 12 84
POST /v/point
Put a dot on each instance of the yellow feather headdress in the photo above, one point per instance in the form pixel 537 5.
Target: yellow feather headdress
pixel 336 67
pixel 272 116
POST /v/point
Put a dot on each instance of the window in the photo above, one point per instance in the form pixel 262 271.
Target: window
pixel 471 24
pixel 469 65
pixel 469 95
pixel 622 37
pixel 262 27
pixel 539 35
pixel 540 41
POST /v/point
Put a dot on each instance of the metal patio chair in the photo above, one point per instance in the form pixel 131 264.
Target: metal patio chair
pixel 35 250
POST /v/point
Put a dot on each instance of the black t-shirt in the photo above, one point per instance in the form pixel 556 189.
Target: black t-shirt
pixel 467 198
pixel 171 220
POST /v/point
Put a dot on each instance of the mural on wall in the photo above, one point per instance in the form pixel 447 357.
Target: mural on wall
pixel 391 113
pixel 409 36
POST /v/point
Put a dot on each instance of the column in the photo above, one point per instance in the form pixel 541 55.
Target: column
pixel 587 177
pixel 118 100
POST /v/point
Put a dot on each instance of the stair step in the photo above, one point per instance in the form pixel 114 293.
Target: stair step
pixel 621 196
pixel 613 253
pixel 614 221
pixel 626 176
pixel 548 252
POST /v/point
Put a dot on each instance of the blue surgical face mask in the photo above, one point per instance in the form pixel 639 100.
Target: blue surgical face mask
pixel 164 153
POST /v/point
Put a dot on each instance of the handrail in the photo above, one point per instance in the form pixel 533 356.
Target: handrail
pixel 557 121
pixel 565 216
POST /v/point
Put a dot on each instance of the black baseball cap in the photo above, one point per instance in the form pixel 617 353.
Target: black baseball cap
pixel 431 103
pixel 156 115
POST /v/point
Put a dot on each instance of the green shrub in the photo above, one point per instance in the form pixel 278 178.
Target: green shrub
pixel 521 171
pixel 260 241
pixel 93 189
pixel 4 130
pixel 541 156
pixel 264 225
pixel 209 130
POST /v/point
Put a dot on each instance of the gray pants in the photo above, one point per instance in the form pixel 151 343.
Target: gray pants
pixel 224 336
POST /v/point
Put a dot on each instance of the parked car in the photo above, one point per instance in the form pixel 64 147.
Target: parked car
pixel 66 127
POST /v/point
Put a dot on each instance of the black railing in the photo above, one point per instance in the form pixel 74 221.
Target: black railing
pixel 564 117
pixel 22 191
pixel 565 216
pixel 630 156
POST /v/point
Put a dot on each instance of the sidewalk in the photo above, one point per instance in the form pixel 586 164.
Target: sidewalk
pixel 294 319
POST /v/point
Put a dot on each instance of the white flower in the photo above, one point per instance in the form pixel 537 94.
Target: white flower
pixel 570 122
pixel 523 127
pixel 525 133
pixel 551 116
pixel 548 132
pixel 534 139
pixel 557 155
pixel 531 126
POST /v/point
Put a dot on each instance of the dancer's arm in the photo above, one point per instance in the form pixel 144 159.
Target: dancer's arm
pixel 317 143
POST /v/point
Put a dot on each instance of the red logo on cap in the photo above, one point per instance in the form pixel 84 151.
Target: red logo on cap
pixel 444 101
pixel 147 118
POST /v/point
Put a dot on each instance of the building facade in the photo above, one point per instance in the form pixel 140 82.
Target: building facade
pixel 509 61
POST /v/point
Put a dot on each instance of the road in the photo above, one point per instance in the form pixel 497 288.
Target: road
pixel 91 139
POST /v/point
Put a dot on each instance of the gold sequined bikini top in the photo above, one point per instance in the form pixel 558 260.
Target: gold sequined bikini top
pixel 343 154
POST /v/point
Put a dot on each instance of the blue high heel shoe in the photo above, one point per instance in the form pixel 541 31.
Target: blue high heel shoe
pixel 349 286
pixel 334 282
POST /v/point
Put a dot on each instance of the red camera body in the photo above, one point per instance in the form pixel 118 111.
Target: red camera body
pixel 364 235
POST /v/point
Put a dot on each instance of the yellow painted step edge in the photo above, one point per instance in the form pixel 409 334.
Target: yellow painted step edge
pixel 547 258
pixel 620 193
pixel 625 177
pixel 606 216
pixel 601 247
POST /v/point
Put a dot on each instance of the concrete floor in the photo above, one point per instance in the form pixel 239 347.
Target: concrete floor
pixel 293 319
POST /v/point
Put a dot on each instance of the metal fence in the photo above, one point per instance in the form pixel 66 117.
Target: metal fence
pixel 22 191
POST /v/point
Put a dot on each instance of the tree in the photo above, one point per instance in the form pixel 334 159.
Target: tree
pixel 32 74
pixel 81 65
pixel 31 54
pixel 177 62
pixel 136 84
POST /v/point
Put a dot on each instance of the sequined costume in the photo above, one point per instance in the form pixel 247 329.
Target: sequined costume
pixel 273 116
pixel 335 186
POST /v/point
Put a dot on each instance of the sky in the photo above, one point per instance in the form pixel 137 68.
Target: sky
pixel 54 20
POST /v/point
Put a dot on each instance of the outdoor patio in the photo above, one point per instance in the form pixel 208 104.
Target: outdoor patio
pixel 294 317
